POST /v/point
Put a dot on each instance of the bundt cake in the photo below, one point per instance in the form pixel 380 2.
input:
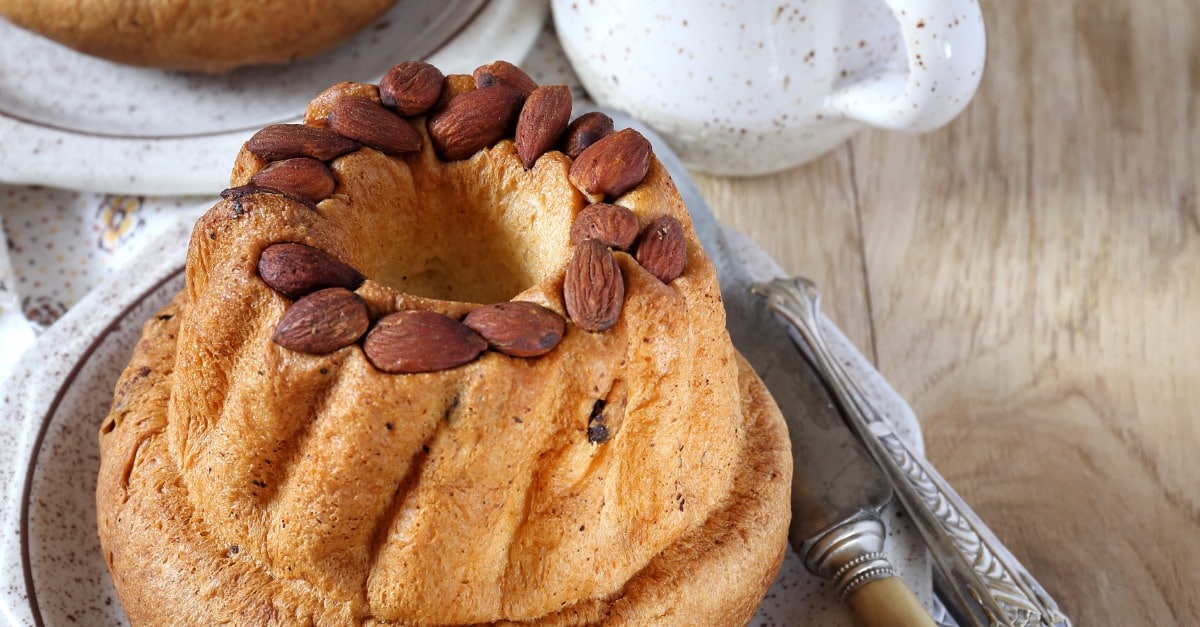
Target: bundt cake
pixel 443 357
pixel 209 36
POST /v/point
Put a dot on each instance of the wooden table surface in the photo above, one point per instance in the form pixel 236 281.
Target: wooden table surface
pixel 1028 278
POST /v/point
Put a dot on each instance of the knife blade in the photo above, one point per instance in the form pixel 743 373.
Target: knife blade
pixel 837 491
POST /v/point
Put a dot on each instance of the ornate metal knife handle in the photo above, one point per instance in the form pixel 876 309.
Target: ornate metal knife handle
pixel 987 585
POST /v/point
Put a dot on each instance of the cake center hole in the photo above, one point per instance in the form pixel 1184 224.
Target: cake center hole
pixel 476 237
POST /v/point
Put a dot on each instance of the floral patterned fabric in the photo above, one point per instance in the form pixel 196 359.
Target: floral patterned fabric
pixel 60 244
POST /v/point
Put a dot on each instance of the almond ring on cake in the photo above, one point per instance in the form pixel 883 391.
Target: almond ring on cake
pixel 443 357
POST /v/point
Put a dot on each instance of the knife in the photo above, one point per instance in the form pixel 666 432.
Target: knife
pixel 837 491
pixel 979 579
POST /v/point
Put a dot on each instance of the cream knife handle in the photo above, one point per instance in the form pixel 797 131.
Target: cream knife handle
pixel 987 585
pixel 850 555
pixel 888 603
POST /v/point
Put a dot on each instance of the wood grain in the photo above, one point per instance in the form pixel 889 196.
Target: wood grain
pixel 1028 277
pixel 807 220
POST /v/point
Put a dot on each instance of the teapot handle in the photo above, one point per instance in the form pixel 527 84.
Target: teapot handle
pixel 945 48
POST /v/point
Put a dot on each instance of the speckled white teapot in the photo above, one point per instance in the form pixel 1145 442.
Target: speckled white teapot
pixel 747 87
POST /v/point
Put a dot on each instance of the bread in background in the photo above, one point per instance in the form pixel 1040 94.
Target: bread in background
pixel 212 36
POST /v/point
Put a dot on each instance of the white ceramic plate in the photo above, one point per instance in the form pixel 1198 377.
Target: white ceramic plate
pixel 53 572
pixel 76 121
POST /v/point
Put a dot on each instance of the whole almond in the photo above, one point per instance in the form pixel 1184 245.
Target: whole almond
pixel 613 165
pixel 473 121
pixel 303 176
pixel 411 87
pixel 613 225
pixel 504 73
pixel 518 328
pixel 662 249
pixel 584 131
pixel 322 322
pixel 421 341
pixel 372 124
pixel 543 120
pixel 284 141
pixel 593 288
pixel 294 270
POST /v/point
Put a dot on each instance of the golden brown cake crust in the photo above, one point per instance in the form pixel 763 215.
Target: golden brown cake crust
pixel 244 479
pixel 208 36
pixel 170 572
